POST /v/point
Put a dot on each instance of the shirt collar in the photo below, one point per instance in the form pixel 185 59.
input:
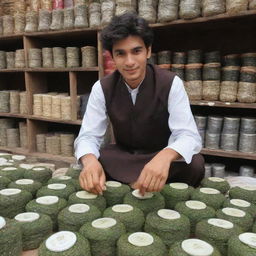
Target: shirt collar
pixel 133 90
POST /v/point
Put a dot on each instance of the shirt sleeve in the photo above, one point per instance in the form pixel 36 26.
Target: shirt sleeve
pixel 185 138
pixel 94 124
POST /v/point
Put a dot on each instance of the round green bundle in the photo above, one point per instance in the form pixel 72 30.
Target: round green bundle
pixel 26 184
pixel 10 238
pixel 39 173
pixel 7 156
pixel 176 192
pixel 217 232
pixel 56 189
pixel 4 181
pixel 65 243
pixel 195 211
pixel 147 203
pixel 68 180
pixel 115 192
pixel 13 201
pixel 18 158
pixel 242 245
pixel 50 205
pixel 12 173
pixel 74 172
pixel 242 205
pixel 218 183
pixel 103 234
pixel 195 247
pixel 131 217
pixel 34 227
pixel 84 197
pixel 254 227
pixel 236 216
pixel 210 196
pixel 247 193
pixel 169 225
pixel 140 243
pixel 73 217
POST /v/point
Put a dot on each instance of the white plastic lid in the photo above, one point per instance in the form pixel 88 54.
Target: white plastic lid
pixel 24 182
pixel 11 161
pixel 113 184
pixel 38 169
pixel 18 157
pixel 196 205
pixel 57 186
pixel 2 222
pixel 140 239
pixel 5 154
pixel 216 179
pixel 26 166
pixel 233 212
pixel 122 208
pixel 179 185
pixel 27 217
pixel 147 195
pixel 168 214
pixel 79 208
pixel 221 223
pixel 9 169
pixel 249 187
pixel 104 223
pixel 248 239
pixel 61 241
pixel 6 164
pixel 85 195
pixel 240 202
pixel 3 160
pixel 64 177
pixel 47 200
pixel 10 191
pixel 210 191
pixel 196 247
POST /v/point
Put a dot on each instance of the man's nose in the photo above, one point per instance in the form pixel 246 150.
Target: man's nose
pixel 129 61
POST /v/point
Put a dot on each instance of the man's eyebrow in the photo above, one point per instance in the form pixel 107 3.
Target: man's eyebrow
pixel 135 48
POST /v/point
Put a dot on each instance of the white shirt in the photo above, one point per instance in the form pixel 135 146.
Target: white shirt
pixel 184 137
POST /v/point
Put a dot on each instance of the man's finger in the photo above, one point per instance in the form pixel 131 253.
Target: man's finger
pixel 103 181
pixel 144 185
pixel 161 184
pixel 96 183
pixel 157 185
pixel 152 184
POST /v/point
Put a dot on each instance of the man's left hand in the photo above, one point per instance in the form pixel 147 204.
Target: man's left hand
pixel 155 173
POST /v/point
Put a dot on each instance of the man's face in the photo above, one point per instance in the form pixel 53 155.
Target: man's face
pixel 130 56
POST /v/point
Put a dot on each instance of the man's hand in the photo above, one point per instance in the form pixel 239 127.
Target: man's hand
pixel 92 177
pixel 155 173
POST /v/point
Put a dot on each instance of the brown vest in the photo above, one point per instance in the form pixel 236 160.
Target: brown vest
pixel 143 126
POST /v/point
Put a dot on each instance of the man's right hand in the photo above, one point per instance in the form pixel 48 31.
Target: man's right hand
pixel 92 177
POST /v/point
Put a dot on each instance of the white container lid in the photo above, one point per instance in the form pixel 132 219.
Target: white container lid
pixel 196 247
pixel 24 182
pixel 168 214
pixel 104 223
pixel 196 205
pixel 79 208
pixel 147 195
pixel 122 208
pixel 10 191
pixel 47 200
pixel 178 185
pixel 248 239
pixel 113 184
pixel 27 217
pixel 141 239
pixel 85 195
pixel 220 223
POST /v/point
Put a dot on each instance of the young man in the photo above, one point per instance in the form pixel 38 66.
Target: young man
pixel 150 114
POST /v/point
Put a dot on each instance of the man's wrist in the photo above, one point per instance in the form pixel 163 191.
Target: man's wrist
pixel 86 158
pixel 171 154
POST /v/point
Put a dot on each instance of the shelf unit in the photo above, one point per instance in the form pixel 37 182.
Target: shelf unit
pixel 206 33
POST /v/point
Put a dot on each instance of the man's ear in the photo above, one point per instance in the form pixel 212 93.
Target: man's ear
pixel 149 52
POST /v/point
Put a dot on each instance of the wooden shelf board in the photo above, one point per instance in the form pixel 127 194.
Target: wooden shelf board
pixel 80 69
pixel 13 115
pixel 11 37
pixel 231 154
pixel 12 70
pixel 223 104
pixel 40 118
pixel 38 155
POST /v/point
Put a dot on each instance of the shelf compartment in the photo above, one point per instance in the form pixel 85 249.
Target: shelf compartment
pixel 222 104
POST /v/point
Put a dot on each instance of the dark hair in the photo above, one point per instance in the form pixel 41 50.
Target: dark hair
pixel 128 24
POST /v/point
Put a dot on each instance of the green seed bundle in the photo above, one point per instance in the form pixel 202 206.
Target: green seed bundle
pixel 132 217
pixel 4 181
pixel 115 192
pixel 74 216
pixel 210 196
pixel 26 184
pixel 176 192
pixel 247 193
pixel 217 183
pixel 103 234
pixel 169 225
pixel 56 189
pixel 84 197
pixel 38 173
pixel 13 201
pixel 34 227
pixel 10 238
pixel 147 203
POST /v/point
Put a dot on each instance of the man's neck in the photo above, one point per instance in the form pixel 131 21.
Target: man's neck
pixel 134 86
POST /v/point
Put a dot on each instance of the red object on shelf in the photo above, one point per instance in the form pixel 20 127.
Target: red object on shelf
pixel 58 4
pixel 108 63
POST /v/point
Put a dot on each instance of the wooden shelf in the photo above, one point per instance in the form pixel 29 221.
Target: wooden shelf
pixel 40 118
pixel 46 156
pixel 13 115
pixel 80 69
pixel 230 154
pixel 12 70
pixel 222 104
